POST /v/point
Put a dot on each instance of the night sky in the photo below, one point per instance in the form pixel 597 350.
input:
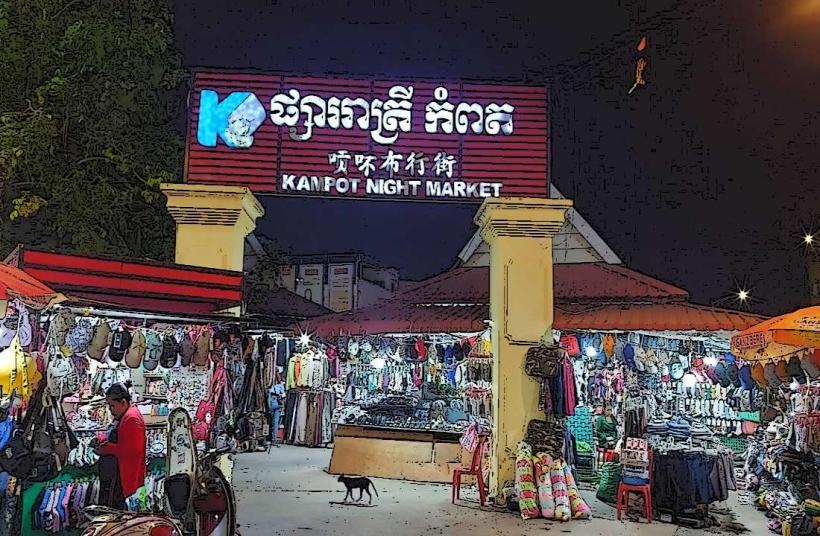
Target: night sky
pixel 706 178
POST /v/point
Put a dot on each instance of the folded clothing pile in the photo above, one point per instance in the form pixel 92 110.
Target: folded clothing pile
pixel 679 428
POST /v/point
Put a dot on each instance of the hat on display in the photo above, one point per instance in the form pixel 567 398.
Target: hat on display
pixel 758 375
pixel 794 369
pixel 120 342
pixel 651 361
pixel 710 373
pixel 619 347
pixel 458 352
pixel 782 373
pixel 732 372
pixel 609 345
pixel 772 380
pixel 448 354
pixel 629 356
pixel 809 365
pixel 640 354
pixel 467 345
pixel 722 374
pixel 570 344
pixel 421 349
pixel 697 362
pixel 676 370
pixel 745 376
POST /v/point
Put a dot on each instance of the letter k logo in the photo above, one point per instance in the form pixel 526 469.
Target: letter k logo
pixel 234 120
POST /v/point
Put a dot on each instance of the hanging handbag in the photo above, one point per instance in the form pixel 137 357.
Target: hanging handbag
pixel 61 376
pixel 542 361
pixel 202 347
pixel 187 348
pixel 205 417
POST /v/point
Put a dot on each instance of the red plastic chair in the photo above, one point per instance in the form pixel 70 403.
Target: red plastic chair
pixel 474 470
pixel 645 489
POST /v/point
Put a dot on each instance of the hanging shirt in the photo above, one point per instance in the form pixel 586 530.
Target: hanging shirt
pixel 290 381
pixel 305 370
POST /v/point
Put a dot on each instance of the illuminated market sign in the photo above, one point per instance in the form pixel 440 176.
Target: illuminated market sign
pixel 334 137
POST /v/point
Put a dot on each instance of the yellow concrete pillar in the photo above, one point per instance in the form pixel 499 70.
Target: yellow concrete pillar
pixel 212 223
pixel 519 232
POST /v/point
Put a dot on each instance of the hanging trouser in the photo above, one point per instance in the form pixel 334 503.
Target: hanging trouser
pixel 110 485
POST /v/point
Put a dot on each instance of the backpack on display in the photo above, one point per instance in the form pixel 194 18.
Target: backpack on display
pixel 136 351
pixel 61 376
pixel 120 342
pixel 202 348
pixel 61 324
pixel 153 350
pixel 80 337
pixel 99 342
pixel 40 443
pixel 186 348
pixel 170 347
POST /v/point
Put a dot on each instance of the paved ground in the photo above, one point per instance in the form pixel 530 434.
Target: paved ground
pixel 288 492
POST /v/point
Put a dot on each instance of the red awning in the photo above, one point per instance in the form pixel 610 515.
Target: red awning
pixel 138 285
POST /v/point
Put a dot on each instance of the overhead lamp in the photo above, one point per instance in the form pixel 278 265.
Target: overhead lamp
pixel 378 363
pixel 591 351
pixel 710 360
pixel 689 380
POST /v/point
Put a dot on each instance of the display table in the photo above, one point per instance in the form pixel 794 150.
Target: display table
pixel 421 455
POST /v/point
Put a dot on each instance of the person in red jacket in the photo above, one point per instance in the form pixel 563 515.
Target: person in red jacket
pixel 122 453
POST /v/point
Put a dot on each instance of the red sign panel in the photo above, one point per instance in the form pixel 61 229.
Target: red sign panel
pixel 366 138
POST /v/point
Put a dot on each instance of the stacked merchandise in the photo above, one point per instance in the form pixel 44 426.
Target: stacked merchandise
pixel 782 463
pixel 545 487
pixel 434 382
pixel 644 375
pixel 635 462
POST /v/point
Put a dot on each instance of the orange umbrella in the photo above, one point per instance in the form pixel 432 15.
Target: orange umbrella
pixel 15 283
pixel 779 336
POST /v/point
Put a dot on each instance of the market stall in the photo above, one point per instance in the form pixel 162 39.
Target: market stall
pixel 782 462
pixel 408 394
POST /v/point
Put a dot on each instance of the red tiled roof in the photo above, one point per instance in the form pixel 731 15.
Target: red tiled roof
pixel 392 317
pixel 587 296
pixel 572 282
pixel 680 316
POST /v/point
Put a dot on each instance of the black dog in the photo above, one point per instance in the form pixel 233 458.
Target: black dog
pixel 362 484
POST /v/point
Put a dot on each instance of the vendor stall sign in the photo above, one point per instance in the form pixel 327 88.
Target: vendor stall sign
pixel 366 138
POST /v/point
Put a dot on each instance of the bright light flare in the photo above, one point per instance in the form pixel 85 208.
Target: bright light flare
pixel 304 339
pixel 808 239
pixel 743 295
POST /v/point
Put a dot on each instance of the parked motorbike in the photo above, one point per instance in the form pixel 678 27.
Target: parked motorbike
pixel 198 499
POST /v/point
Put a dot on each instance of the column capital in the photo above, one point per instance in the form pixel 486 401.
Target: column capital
pixel 199 204
pixel 521 217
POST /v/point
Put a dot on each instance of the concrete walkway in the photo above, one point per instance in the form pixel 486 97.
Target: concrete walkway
pixel 288 492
